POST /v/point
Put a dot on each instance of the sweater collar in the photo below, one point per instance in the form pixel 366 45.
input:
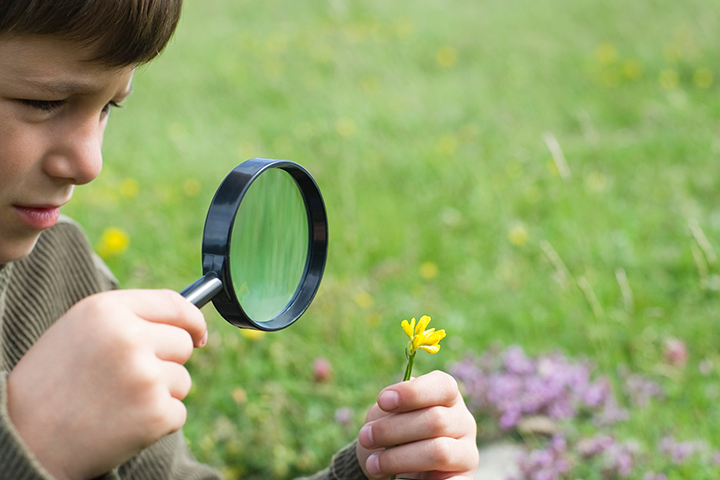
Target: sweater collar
pixel 5 274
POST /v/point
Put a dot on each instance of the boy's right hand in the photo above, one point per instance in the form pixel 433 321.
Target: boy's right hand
pixel 106 380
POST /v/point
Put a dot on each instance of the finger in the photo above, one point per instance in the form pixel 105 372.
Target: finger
pixel 178 415
pixel 169 417
pixel 374 413
pixel 177 379
pixel 170 343
pixel 166 306
pixel 401 428
pixel 435 388
pixel 439 455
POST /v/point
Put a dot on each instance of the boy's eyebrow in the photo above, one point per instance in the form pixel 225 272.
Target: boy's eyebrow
pixel 63 87
pixel 71 88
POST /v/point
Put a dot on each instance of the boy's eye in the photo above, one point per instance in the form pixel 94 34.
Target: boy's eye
pixel 43 105
pixel 106 108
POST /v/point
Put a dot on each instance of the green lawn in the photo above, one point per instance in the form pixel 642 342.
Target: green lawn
pixel 500 166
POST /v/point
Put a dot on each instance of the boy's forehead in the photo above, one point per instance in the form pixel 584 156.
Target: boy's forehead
pixel 57 66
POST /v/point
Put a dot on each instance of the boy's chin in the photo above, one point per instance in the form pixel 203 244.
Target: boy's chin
pixel 14 250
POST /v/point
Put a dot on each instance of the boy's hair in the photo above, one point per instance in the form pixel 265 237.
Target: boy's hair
pixel 123 32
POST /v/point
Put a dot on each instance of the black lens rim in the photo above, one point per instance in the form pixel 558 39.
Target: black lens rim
pixel 218 231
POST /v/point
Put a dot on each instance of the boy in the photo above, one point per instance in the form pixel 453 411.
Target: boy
pixel 92 378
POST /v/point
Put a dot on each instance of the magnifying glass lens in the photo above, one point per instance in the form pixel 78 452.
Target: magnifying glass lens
pixel 269 245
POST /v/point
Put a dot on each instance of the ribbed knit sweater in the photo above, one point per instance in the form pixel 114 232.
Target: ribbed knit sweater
pixel 34 293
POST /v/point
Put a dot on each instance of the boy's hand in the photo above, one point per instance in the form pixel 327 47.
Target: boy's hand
pixel 106 380
pixel 419 426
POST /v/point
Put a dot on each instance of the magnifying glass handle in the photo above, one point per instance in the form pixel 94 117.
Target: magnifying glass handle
pixel 202 291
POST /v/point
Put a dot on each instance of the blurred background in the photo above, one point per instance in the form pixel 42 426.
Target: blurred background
pixel 536 173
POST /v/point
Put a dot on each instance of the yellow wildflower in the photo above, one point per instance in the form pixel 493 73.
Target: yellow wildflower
pixel 447 56
pixel 703 77
pixel 428 270
pixel 606 53
pixel 632 69
pixel 428 340
pixel 129 187
pixel 517 235
pixel 192 187
pixel 250 334
pixel 364 299
pixel 345 127
pixel 114 241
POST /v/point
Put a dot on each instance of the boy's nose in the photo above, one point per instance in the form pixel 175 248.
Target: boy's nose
pixel 77 157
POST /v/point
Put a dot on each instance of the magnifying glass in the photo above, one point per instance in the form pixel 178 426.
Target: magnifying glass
pixel 264 245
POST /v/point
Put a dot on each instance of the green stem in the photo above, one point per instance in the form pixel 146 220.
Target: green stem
pixel 408 369
pixel 408 374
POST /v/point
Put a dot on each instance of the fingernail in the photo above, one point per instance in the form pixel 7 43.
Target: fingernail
pixel 373 465
pixel 203 342
pixel 389 400
pixel 366 436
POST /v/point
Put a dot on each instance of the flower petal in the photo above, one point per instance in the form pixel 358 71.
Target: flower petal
pixel 430 348
pixel 408 328
pixel 422 324
pixel 434 338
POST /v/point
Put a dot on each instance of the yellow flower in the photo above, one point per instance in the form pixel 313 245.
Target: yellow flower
pixel 114 241
pixel 364 299
pixel 447 56
pixel 129 187
pixel 606 53
pixel 517 235
pixel 703 77
pixel 428 270
pixel 250 334
pixel 345 127
pixel 428 340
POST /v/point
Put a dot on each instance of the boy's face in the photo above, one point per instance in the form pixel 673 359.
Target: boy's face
pixel 53 111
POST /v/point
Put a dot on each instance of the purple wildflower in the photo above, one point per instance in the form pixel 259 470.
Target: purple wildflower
pixel 343 416
pixel 516 362
pixel 654 476
pixel 548 463
pixel 679 451
pixel 640 389
pixel 590 447
pixel 514 385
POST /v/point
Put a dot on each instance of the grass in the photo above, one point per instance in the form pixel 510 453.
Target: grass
pixel 426 128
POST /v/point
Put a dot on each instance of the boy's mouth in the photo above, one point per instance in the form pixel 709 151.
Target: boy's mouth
pixel 38 217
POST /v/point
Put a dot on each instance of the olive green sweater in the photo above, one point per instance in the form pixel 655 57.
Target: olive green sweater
pixel 36 291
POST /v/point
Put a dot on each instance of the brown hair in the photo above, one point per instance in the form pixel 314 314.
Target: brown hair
pixel 123 32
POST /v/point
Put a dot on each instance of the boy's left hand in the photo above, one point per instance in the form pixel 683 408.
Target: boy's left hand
pixel 417 426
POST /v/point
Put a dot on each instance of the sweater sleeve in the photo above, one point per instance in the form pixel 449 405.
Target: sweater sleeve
pixel 16 460
pixel 167 459
pixel 344 466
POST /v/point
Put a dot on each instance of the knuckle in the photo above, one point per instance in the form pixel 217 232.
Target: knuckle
pixel 183 312
pixel 185 383
pixel 443 451
pixel 448 384
pixel 380 432
pixel 185 346
pixel 440 420
pixel 174 301
pixel 146 375
pixel 186 352
pixel 157 417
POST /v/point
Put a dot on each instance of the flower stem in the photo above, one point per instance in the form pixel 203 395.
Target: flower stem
pixel 408 369
pixel 408 374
